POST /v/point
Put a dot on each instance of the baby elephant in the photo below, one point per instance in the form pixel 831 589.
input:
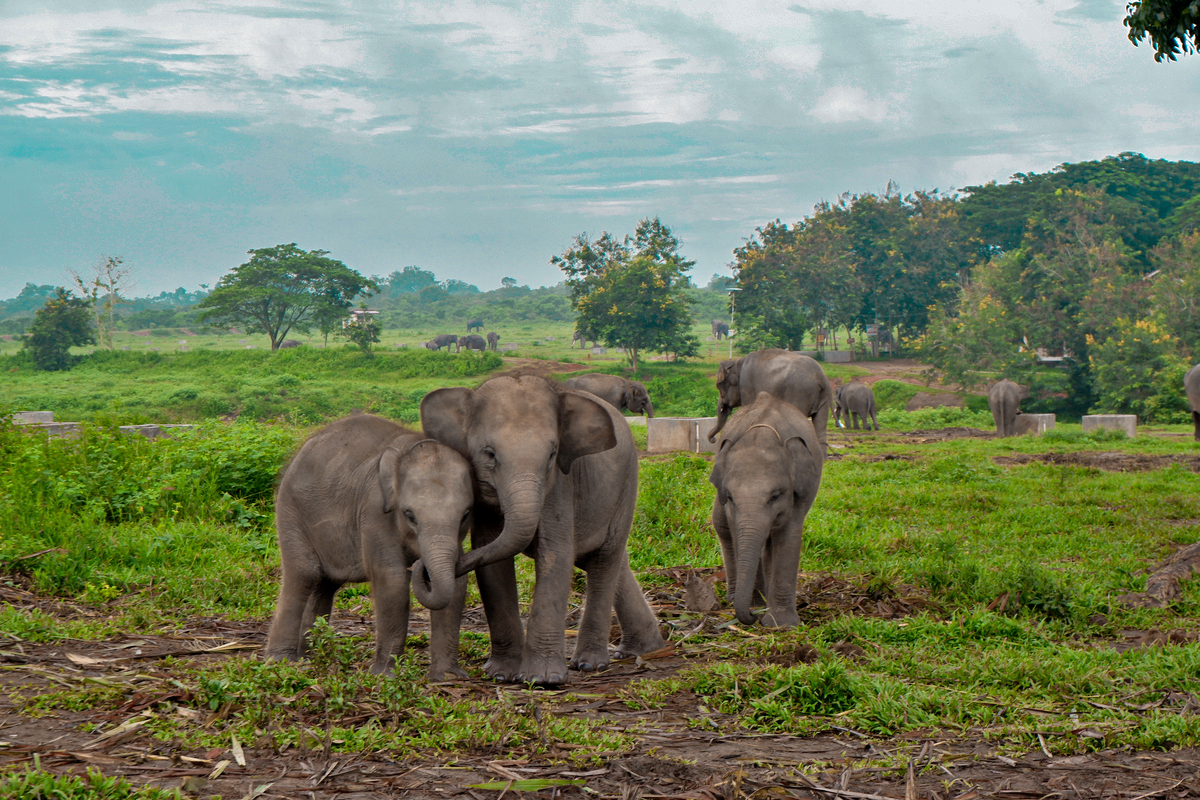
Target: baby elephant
pixel 1004 400
pixel 857 402
pixel 767 473
pixel 618 392
pixel 366 500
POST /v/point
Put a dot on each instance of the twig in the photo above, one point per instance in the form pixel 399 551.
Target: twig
pixel 1042 742
pixel 1159 791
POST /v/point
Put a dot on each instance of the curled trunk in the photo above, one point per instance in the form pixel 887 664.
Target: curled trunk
pixel 433 580
pixel 521 505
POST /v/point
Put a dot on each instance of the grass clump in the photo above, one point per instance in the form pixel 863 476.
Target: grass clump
pixel 38 785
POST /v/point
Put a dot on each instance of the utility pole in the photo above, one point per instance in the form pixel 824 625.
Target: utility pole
pixel 733 290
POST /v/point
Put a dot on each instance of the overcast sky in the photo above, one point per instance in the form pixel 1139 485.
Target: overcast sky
pixel 475 139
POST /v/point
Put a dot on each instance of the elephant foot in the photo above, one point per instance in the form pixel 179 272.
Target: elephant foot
pixel 779 618
pixel 504 669
pixel 383 666
pixel 543 670
pixel 281 655
pixel 591 660
pixel 441 672
pixel 640 643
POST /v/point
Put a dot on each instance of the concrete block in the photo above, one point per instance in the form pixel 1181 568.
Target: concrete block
pixel 703 426
pixel 1035 424
pixel 152 432
pixel 507 347
pixel 1116 422
pixel 28 417
pixel 838 356
pixel 668 434
pixel 598 351
pixel 636 420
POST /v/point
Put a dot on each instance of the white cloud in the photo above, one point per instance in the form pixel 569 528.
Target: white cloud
pixel 848 104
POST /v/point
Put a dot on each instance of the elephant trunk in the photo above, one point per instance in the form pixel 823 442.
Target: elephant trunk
pixel 433 578
pixel 752 535
pixel 521 505
pixel 722 415
pixel 649 409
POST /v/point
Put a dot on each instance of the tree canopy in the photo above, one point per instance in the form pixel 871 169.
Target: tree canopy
pixel 632 293
pixel 63 322
pixel 1172 26
pixel 281 289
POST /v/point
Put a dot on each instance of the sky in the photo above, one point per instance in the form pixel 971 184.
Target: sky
pixel 476 139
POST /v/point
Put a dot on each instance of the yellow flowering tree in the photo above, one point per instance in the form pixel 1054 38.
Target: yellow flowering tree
pixel 1136 371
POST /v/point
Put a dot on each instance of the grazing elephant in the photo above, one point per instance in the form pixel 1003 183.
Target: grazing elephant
pixel 472 342
pixel 618 392
pixel 442 340
pixel 1004 399
pixel 366 500
pixel 287 343
pixel 1191 385
pixel 767 472
pixel 475 324
pixel 858 402
pixel 791 377
pixel 720 329
pixel 493 340
pixel 556 479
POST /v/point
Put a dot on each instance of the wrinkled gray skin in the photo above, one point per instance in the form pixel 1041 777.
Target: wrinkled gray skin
pixel 720 328
pixel 857 401
pixel 766 479
pixel 1004 400
pixel 556 479
pixel 618 392
pixel 365 500
pixel 475 324
pixel 1191 385
pixel 493 340
pixel 472 342
pixel 791 377
pixel 286 343
pixel 442 340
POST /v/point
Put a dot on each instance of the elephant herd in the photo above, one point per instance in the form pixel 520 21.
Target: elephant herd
pixel 470 341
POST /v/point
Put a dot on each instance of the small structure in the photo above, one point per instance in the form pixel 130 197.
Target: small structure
pixel 358 316
pixel 1114 422
pixel 839 356
pixel 1035 424
pixel 689 434
pixel 598 351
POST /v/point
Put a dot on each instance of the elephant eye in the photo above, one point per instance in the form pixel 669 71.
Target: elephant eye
pixel 489 453
pixel 410 516
pixel 778 494
pixel 466 514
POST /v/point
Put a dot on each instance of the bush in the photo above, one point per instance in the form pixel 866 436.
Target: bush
pixel 1137 372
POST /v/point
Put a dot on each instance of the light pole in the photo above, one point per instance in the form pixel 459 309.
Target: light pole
pixel 733 290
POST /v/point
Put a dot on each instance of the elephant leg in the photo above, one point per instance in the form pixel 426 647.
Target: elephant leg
pixel 591 645
pixel 498 590
pixel 545 661
pixel 287 628
pixel 875 419
pixel 320 604
pixel 640 633
pixel 857 419
pixel 390 596
pixel 1196 424
pixel 728 548
pixel 445 625
pixel 820 421
pixel 783 564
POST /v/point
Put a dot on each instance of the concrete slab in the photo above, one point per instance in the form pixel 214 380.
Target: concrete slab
pixel 668 434
pixel 152 432
pixel 1115 422
pixel 703 426
pixel 598 351
pixel 636 421
pixel 32 417
pixel 1035 424
pixel 839 356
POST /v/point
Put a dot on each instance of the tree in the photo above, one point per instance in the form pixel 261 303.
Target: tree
pixel 363 330
pixel 1173 26
pixel 102 291
pixel 631 293
pixel 283 288
pixel 508 283
pixel 62 323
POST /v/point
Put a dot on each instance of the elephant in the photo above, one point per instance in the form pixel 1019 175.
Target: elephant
pixel 366 500
pixel 555 478
pixel 767 472
pixel 581 337
pixel 288 343
pixel 793 378
pixel 472 342
pixel 1004 400
pixel 476 324
pixel 442 340
pixel 720 329
pixel 858 402
pixel 493 340
pixel 618 392
pixel 1191 385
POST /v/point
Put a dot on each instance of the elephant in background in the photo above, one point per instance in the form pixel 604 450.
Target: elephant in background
pixel 618 392
pixel 858 402
pixel 442 340
pixel 366 500
pixel 1191 385
pixel 472 342
pixel 493 340
pixel 288 343
pixel 767 472
pixel 793 378
pixel 1004 400
pixel 720 328
pixel 581 337
pixel 475 324
pixel 556 479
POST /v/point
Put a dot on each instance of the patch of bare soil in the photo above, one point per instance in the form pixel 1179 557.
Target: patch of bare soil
pixel 942 434
pixel 684 749
pixel 1108 461
pixel 516 367
pixel 145 332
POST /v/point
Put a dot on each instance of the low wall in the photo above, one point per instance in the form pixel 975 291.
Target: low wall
pixel 1115 422
pixel 674 434
pixel 1035 424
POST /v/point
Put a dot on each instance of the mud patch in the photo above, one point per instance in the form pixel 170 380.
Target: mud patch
pixel 888 457
pixel 516 367
pixel 942 434
pixel 1107 461
pixel 1139 639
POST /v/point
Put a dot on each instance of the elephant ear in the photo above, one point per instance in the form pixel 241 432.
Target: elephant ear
pixel 389 477
pixel 444 414
pixel 717 476
pixel 584 428
pixel 801 451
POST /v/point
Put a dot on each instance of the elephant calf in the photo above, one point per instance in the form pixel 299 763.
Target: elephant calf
pixel 857 401
pixel 365 500
pixel 767 472
pixel 618 392
pixel 1004 401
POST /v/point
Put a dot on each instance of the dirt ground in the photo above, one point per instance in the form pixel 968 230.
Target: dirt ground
pixel 675 758
pixel 1110 461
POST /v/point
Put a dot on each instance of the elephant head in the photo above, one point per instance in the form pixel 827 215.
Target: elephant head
pixel 519 434
pixel 427 486
pixel 728 376
pixel 637 399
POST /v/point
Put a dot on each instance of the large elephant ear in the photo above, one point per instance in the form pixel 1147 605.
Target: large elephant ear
pixel 802 452
pixel 584 428
pixel 717 476
pixel 444 415
pixel 389 477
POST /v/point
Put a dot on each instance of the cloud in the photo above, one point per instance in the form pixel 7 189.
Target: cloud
pixel 848 104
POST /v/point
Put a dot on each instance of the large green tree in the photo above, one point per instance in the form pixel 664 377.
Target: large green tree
pixel 62 323
pixel 632 293
pixel 283 288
